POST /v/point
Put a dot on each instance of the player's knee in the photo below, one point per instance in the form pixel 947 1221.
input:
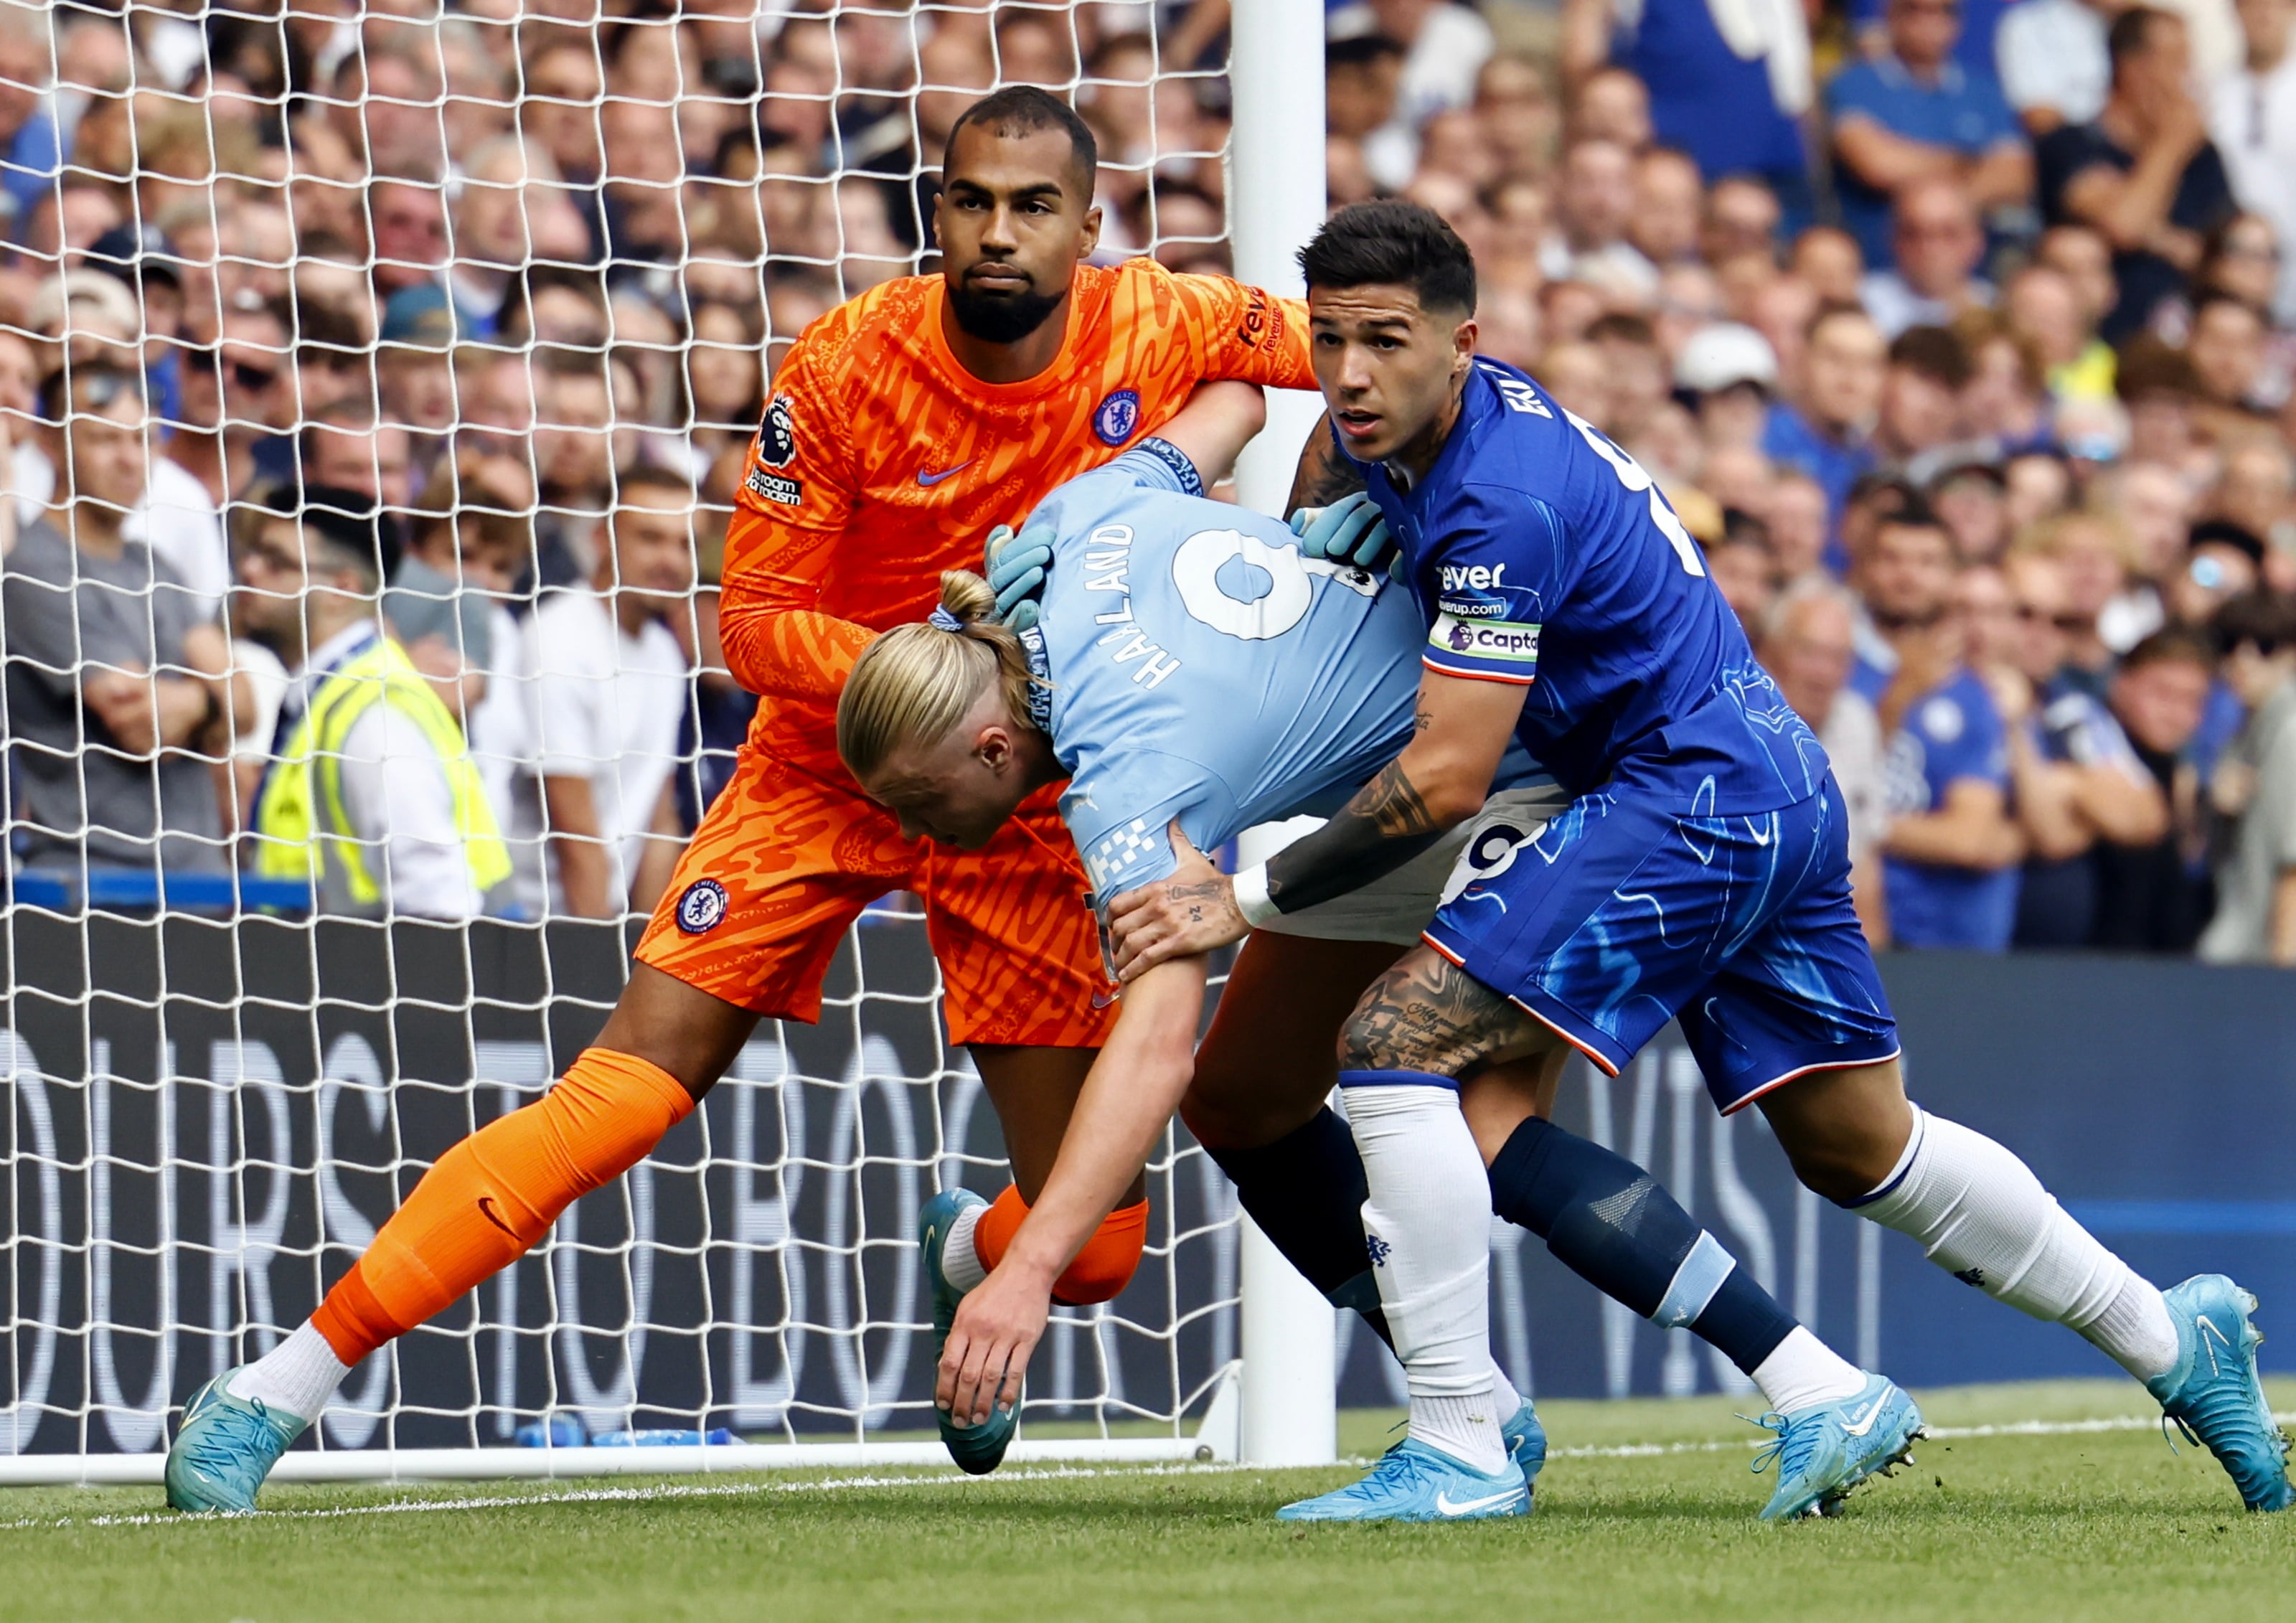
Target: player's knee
pixel 1108 1261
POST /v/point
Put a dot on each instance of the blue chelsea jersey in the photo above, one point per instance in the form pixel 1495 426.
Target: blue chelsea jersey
pixel 1541 553
pixel 1201 670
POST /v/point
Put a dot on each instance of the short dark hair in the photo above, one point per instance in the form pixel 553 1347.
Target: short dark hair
pixel 1024 109
pixel 345 522
pixel 1360 51
pixel 103 381
pixel 653 476
pixel 2171 645
pixel 2224 532
pixel 2131 34
pixel 1934 353
pixel 2265 618
pixel 1389 242
pixel 1916 513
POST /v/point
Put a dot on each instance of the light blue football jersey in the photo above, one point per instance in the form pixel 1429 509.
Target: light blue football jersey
pixel 1202 670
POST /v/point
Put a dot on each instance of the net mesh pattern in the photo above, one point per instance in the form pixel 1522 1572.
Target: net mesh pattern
pixel 453 286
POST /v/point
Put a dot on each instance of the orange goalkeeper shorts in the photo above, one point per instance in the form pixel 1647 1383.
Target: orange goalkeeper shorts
pixel 785 860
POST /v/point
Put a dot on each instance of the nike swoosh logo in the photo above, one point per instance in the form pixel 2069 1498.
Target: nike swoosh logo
pixel 1445 1507
pixel 1865 1423
pixel 2211 1336
pixel 487 1210
pixel 929 480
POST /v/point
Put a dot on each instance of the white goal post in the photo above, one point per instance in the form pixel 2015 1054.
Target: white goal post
pixel 209 1115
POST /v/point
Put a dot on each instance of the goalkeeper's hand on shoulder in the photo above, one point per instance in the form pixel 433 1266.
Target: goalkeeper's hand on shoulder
pixel 1351 531
pixel 1017 562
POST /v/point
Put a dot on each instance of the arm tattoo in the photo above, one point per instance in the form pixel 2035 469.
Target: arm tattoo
pixel 1393 805
pixel 1383 826
pixel 1324 476
pixel 1427 1014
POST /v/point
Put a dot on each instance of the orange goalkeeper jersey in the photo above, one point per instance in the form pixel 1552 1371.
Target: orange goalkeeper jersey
pixel 882 462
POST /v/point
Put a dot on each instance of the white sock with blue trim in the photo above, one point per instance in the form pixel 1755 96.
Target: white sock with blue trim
pixel 1981 1215
pixel 1428 1223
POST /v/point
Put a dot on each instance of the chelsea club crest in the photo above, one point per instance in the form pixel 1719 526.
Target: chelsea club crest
pixel 1117 417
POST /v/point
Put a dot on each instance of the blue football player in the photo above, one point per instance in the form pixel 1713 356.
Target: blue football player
pixel 1191 669
pixel 1700 873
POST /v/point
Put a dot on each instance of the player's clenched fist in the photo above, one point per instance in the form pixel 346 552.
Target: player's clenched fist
pixel 1190 911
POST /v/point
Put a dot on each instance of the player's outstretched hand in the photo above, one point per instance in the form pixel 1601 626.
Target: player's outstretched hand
pixel 1017 562
pixel 1190 911
pixel 1352 530
pixel 998 1325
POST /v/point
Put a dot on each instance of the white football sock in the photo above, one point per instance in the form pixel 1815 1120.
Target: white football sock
pixel 1981 1215
pixel 1802 1370
pixel 299 1376
pixel 1505 1398
pixel 1429 1225
pixel 960 1264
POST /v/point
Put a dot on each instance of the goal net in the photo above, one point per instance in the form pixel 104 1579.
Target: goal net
pixel 474 267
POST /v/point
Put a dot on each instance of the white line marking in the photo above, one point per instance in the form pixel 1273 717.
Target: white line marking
pixel 730 1490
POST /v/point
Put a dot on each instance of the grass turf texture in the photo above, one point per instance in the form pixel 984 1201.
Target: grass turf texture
pixel 2089 1525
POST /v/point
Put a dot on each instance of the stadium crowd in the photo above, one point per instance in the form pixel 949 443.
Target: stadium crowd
pixel 1962 334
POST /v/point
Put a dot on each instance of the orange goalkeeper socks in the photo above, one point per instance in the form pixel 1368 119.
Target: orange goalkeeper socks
pixel 1100 1271
pixel 488 1200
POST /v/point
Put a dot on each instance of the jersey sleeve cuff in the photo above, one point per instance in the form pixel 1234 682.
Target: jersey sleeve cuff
pixel 1175 462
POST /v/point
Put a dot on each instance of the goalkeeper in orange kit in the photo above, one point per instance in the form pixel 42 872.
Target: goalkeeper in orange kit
pixel 903 425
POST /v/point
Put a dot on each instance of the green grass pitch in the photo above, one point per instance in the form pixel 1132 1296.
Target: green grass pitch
pixel 1646 1511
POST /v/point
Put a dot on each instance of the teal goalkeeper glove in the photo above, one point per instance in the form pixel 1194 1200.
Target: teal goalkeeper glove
pixel 1352 530
pixel 1017 563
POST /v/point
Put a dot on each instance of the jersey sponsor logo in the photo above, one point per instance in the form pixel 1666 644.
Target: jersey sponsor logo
pixel 929 480
pixel 1473 607
pixel 777 433
pixel 1117 417
pixel 702 906
pixel 1516 645
pixel 1118 852
pixel 1258 319
pixel 777 489
pixel 1472 576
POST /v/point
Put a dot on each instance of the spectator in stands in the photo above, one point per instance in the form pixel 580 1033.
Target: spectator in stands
pixel 1734 104
pixel 1443 48
pixel 607 683
pixel 412 368
pixel 1920 429
pixel 371 795
pixel 30 154
pixel 1916 113
pixel 1951 856
pixel 120 697
pixel 1938 242
pixel 2080 789
pixel 2157 899
pixel 1824 432
pixel 2252 126
pixel 1808 644
pixel 1594 201
pixel 2143 173
pixel 2052 61
pixel 2254 787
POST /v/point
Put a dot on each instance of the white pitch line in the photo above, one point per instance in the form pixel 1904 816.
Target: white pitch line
pixel 727 1490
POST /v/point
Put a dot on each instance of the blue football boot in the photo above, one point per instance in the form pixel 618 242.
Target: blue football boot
pixel 2213 1394
pixel 1826 1449
pixel 1526 1444
pixel 979 1449
pixel 1413 1482
pixel 224 1448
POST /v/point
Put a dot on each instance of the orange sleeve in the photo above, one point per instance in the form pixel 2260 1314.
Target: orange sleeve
pixel 795 501
pixel 1245 332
